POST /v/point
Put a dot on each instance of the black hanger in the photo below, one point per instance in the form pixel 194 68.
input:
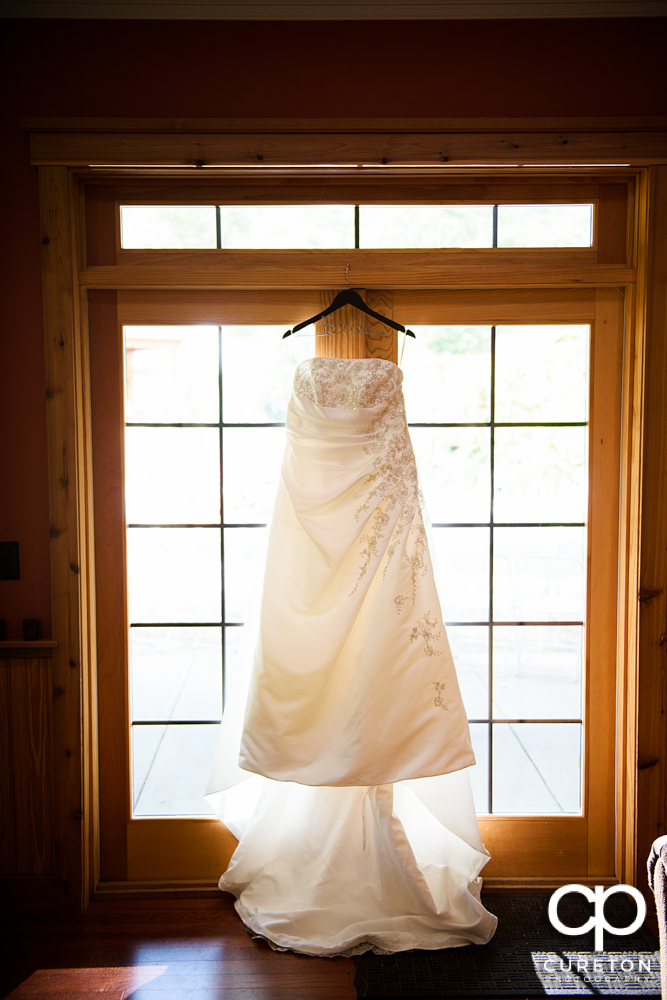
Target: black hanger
pixel 348 297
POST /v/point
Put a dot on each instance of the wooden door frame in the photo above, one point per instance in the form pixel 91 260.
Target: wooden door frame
pixel 62 148
pixel 534 852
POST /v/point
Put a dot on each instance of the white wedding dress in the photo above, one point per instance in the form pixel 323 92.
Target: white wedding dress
pixel 340 764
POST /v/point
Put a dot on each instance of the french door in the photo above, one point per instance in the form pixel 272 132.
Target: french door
pixel 514 401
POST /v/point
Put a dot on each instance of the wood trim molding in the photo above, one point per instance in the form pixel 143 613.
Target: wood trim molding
pixel 70 526
pixel 426 306
pixel 156 852
pixel 628 586
pixel 28 651
pixel 107 402
pixel 517 268
pixel 651 761
pixel 268 143
pixel 323 149
pixel 368 187
pixel 162 889
pixel 605 473
pixel 26 646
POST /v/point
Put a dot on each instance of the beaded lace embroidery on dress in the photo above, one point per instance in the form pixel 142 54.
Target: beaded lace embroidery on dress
pixel 348 384
pixel 355 384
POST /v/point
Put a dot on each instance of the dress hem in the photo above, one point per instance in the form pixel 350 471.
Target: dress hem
pixel 364 945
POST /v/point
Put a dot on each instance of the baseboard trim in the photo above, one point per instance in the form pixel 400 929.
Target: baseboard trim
pixel 172 889
pixel 202 889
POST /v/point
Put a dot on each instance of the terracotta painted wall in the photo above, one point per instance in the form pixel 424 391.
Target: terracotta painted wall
pixel 237 69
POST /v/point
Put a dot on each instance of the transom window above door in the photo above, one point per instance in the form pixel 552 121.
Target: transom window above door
pixel 375 226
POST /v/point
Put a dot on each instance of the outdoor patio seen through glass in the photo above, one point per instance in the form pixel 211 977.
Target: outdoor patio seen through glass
pixel 498 419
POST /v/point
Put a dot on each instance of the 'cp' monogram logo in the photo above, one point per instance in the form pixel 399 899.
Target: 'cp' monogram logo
pixel 598 921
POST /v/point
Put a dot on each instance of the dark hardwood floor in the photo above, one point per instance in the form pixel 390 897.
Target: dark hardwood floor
pixel 194 949
pixel 168 949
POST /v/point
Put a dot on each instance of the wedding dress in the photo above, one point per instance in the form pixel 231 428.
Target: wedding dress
pixel 340 764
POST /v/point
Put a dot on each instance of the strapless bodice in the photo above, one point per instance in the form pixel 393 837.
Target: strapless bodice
pixel 351 384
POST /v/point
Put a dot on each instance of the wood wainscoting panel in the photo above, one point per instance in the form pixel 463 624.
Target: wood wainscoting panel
pixel 7 829
pixel 26 695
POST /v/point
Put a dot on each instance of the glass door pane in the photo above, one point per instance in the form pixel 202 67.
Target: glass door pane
pixel 499 421
pixel 499 424
pixel 204 408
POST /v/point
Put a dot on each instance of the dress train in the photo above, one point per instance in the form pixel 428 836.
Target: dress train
pixel 330 871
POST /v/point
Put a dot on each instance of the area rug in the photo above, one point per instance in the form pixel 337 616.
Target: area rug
pixel 526 958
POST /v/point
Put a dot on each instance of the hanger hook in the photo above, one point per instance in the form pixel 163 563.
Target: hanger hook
pixel 347 274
